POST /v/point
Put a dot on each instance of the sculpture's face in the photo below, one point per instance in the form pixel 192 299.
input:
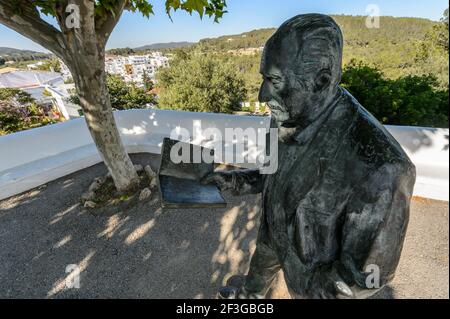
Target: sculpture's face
pixel 287 88
pixel 274 89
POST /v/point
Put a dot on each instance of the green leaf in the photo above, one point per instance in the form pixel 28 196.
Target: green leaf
pixel 209 7
pixel 172 4
pixel 195 5
pixel 143 6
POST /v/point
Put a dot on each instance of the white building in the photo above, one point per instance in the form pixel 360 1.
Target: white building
pixel 47 88
pixel 34 66
pixel 22 79
pixel 132 68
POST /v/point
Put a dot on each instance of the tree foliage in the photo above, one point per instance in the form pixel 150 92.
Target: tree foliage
pixel 414 100
pixel 15 96
pixel 400 47
pixel 123 95
pixel 79 41
pixel 441 31
pixel 121 51
pixel 201 82
pixel 431 53
pixel 19 111
pixel 50 65
pixel 105 8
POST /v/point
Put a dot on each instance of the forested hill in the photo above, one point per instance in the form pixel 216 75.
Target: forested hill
pixel 394 47
pixel 161 46
pixel 11 54
pixel 392 30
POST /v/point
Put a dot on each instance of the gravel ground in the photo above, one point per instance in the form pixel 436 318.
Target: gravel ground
pixel 145 252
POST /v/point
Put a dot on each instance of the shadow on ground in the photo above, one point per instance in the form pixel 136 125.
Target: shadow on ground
pixel 145 252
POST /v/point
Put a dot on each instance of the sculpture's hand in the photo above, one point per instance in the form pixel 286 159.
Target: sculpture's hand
pixel 223 180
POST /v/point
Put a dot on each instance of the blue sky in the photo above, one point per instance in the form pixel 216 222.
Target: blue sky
pixel 243 15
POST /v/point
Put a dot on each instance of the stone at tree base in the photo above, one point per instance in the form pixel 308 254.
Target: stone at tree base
pixel 99 181
pixel 145 194
pixel 150 173
pixel 88 196
pixel 89 204
pixel 138 167
pixel 154 183
pixel 152 176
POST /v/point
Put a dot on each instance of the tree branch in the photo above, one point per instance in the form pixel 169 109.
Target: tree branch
pixel 106 25
pixel 29 24
pixel 60 9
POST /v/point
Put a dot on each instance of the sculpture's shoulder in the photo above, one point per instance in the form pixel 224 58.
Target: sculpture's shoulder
pixel 371 141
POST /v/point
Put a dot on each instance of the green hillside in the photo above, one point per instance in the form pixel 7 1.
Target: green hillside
pixel 353 27
pixel 394 48
pixel 162 46
pixel 16 55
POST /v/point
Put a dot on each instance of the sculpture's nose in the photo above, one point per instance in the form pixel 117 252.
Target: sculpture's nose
pixel 264 93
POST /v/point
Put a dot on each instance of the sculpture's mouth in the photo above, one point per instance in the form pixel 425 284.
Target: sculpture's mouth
pixel 278 111
pixel 281 115
pixel 289 124
pixel 275 107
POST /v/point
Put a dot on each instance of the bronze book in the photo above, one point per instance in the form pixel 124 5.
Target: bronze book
pixel 179 181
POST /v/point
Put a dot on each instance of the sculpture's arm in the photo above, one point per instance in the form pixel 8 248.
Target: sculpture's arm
pixel 240 182
pixel 375 225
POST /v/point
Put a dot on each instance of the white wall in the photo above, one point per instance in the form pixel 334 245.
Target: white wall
pixel 428 148
pixel 34 157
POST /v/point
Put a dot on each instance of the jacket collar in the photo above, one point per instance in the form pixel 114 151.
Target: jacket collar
pixel 304 135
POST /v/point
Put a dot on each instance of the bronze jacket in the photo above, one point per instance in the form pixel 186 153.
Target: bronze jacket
pixel 339 199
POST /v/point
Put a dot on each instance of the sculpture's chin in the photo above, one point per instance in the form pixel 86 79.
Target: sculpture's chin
pixel 280 117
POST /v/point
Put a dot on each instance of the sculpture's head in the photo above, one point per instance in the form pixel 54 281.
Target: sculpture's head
pixel 301 68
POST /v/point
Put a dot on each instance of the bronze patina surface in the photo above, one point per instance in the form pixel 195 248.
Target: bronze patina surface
pixel 179 183
pixel 335 213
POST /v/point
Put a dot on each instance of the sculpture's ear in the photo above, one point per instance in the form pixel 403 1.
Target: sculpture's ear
pixel 322 81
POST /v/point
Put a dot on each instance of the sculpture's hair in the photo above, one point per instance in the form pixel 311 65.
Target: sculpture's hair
pixel 320 44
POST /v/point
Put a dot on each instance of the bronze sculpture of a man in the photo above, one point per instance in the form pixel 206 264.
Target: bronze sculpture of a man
pixel 338 205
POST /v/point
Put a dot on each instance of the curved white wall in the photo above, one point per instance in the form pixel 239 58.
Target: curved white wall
pixel 34 157
pixel 428 148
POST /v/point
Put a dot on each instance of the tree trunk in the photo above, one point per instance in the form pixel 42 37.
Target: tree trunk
pixel 90 81
pixel 82 48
